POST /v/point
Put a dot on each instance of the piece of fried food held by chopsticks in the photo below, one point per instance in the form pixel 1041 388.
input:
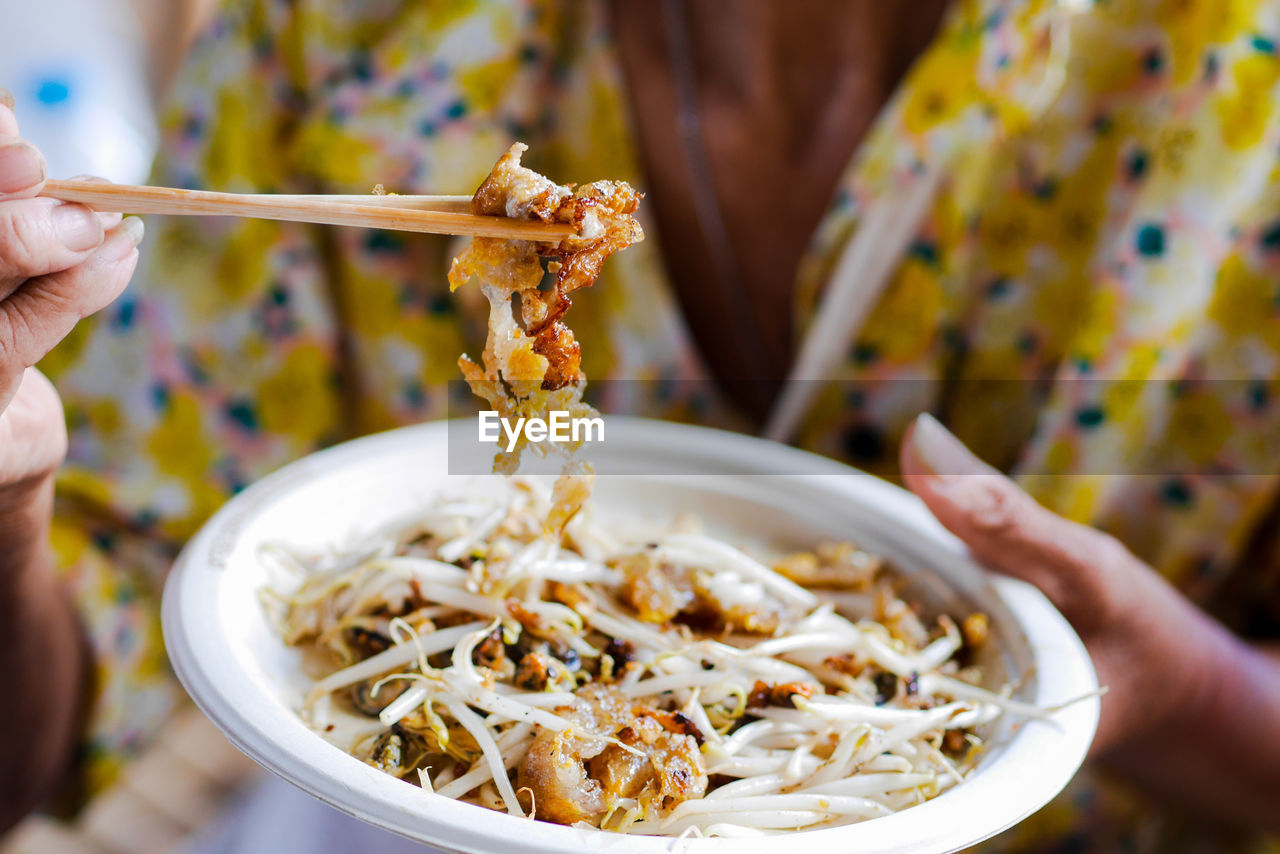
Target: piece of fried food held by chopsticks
pixel 532 363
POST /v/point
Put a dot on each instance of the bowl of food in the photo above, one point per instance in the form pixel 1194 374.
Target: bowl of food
pixel 767 642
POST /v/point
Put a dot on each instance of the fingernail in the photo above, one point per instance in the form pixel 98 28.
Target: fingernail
pixel 77 227
pixel 21 166
pixel 133 229
pixel 942 452
pixel 6 97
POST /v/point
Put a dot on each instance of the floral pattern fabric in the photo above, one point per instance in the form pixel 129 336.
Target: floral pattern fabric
pixel 1094 291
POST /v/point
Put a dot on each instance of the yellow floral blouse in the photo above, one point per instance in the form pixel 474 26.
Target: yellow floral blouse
pixel 1094 291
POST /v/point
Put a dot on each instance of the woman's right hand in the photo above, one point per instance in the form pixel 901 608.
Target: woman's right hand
pixel 59 263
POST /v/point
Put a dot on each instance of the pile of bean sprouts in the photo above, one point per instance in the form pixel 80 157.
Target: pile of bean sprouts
pixel 899 725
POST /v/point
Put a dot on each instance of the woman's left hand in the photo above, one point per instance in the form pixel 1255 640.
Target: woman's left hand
pixel 1187 700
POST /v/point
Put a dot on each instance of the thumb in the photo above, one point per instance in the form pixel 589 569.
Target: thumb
pixel 1008 531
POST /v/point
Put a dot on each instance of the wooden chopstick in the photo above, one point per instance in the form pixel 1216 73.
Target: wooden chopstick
pixel 450 204
pixel 429 214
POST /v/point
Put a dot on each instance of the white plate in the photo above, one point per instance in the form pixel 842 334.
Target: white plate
pixel 248 682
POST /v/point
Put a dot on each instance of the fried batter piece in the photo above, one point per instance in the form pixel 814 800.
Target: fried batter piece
pixel 763 694
pixel 660 593
pixel 554 768
pixel 532 363
pixel 538 670
pixel 834 566
pixel 555 343
pixel 655 592
pixel 577 776
pixel 668 771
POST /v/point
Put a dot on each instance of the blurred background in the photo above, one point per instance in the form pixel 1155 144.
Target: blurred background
pixel 82 73
pixel 77 69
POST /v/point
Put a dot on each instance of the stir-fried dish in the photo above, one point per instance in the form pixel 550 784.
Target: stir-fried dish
pixel 510 651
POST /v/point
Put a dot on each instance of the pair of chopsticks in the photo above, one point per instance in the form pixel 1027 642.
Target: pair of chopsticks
pixel 429 214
